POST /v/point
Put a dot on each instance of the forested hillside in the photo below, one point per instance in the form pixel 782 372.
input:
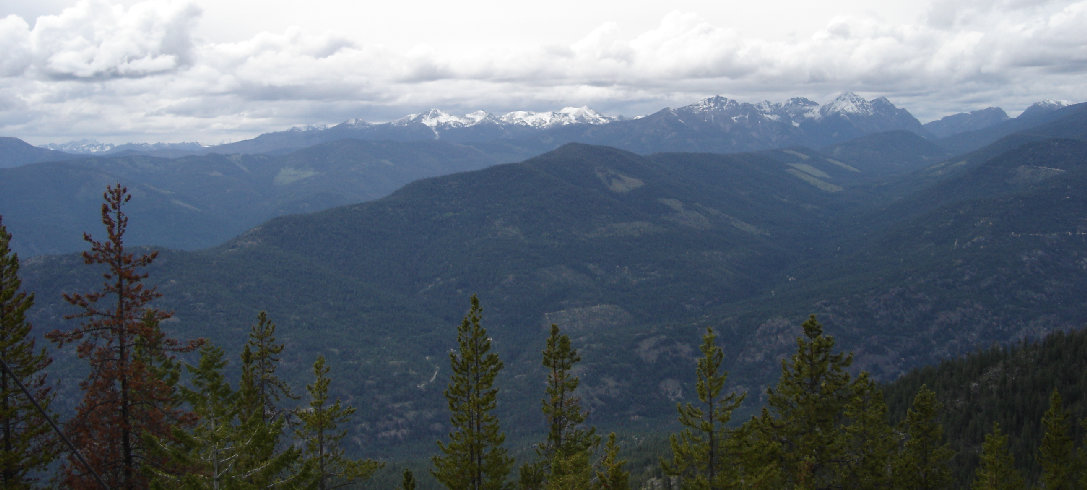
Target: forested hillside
pixel 905 262
pixel 1010 385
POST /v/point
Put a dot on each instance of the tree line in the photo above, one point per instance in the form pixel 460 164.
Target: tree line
pixel 149 420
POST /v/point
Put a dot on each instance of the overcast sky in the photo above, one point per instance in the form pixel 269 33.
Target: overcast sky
pixel 215 71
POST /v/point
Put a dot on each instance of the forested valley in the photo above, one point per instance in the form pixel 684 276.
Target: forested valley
pixel 885 311
pixel 153 416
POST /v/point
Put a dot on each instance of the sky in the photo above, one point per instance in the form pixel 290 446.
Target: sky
pixel 217 71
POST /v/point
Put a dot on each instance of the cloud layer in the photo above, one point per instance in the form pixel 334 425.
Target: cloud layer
pixel 141 72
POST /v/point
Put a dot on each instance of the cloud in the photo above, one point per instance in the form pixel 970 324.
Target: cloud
pixel 96 40
pixel 98 65
pixel 15 41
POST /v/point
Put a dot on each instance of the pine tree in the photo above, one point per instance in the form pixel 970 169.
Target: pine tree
pixel 565 455
pixel 408 482
pixel 997 469
pixel 26 442
pixel 474 457
pixel 870 439
pixel 698 452
pixel 124 394
pixel 259 393
pixel 323 452
pixel 1057 453
pixel 611 475
pixel 923 463
pixel 260 359
pixel 809 435
pixel 214 452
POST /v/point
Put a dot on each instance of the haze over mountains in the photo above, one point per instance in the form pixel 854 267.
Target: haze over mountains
pixel 199 196
pixel 907 251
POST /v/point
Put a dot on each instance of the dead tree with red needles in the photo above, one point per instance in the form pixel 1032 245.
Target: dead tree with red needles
pixel 130 390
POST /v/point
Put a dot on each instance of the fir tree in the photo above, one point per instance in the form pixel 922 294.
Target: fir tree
pixel 870 441
pixel 215 452
pixel 997 469
pixel 698 452
pixel 260 359
pixel 923 462
pixel 1057 453
pixel 565 455
pixel 124 394
pixel 611 475
pixel 474 457
pixel 259 393
pixel 322 440
pixel 808 435
pixel 26 441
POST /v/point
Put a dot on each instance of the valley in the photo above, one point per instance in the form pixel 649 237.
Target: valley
pixel 366 252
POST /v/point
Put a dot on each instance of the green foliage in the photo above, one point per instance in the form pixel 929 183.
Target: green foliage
pixel 611 475
pixel 821 427
pixel 225 448
pixel 699 451
pixel 1057 453
pixel 26 440
pixel 408 483
pixel 923 462
pixel 1009 385
pixel 322 438
pixel 564 455
pixel 262 389
pixel 997 469
pixel 474 457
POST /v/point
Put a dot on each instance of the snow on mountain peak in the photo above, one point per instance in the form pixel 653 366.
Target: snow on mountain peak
pixel 715 104
pixel 847 103
pixel 1050 104
pixel 83 146
pixel 435 118
pixel 565 116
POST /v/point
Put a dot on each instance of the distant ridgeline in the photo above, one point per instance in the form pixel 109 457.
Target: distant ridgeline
pixel 1007 385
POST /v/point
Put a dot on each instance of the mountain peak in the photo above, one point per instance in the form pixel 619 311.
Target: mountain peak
pixel 716 103
pixel 849 103
pixel 1044 107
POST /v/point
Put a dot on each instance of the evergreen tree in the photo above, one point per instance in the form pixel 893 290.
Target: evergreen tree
pixel 408 483
pixel 611 475
pixel 565 455
pixel 923 463
pixel 26 441
pixel 260 416
pixel 125 395
pixel 260 359
pixel 1057 453
pixel 323 453
pixel 997 469
pixel 214 453
pixel 870 439
pixel 474 457
pixel 698 452
pixel 810 433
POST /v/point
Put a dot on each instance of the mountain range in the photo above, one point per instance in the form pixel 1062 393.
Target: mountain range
pixel 716 124
pixel 907 254
pixel 201 196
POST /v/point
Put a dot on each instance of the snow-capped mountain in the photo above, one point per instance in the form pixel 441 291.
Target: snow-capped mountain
pixel 1044 107
pixel 81 147
pixel 438 119
pixel 92 147
pixel 714 124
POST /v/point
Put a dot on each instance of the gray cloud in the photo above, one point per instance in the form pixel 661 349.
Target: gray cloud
pixel 96 40
pixel 151 72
